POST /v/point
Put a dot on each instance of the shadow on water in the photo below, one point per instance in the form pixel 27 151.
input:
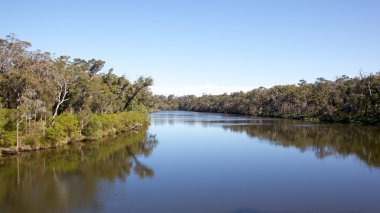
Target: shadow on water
pixel 65 179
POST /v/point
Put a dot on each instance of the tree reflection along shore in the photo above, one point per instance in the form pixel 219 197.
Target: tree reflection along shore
pixel 64 179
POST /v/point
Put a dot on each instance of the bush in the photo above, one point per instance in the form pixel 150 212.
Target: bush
pixel 7 129
pixel 65 128
pixel 10 126
pixel 93 128
pixel 55 133
pixel 4 117
pixel 8 138
pixel 31 140
pixel 69 123
pixel 106 121
pixel 99 125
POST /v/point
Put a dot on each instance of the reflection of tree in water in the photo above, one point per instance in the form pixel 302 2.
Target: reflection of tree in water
pixel 139 168
pixel 65 179
pixel 323 140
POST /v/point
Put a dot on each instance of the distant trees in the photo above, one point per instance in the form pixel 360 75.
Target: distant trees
pixel 37 87
pixel 342 100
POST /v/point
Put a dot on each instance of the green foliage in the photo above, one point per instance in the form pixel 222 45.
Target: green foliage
pixel 35 86
pixel 8 139
pixel 99 125
pixel 4 116
pixel 66 127
pixel 55 133
pixel 93 129
pixel 343 100
pixel 69 123
pixel 7 129
pixel 30 140
pixel 10 125
pixel 139 107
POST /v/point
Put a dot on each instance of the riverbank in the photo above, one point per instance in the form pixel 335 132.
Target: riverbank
pixel 342 100
pixel 67 129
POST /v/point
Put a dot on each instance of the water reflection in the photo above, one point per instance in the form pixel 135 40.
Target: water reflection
pixel 66 179
pixel 198 169
pixel 191 118
pixel 323 139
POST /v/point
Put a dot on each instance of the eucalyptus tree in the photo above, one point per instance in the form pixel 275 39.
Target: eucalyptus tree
pixel 95 66
pixel 62 76
pixel 138 86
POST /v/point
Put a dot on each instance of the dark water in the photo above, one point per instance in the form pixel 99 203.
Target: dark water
pixel 199 162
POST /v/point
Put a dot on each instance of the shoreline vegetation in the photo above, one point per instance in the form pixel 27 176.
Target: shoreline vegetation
pixel 344 100
pixel 48 101
pixel 66 130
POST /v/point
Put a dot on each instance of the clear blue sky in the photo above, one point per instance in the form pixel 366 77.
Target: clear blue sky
pixel 210 46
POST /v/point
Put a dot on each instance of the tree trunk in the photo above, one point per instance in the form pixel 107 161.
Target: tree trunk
pixel 131 98
pixel 29 119
pixel 55 114
pixel 62 92
pixel 369 89
pixel 44 125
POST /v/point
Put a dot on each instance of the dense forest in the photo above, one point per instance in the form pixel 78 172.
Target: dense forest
pixel 46 101
pixel 342 100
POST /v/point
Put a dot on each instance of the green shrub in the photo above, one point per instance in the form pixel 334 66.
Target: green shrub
pixel 117 124
pixel 102 124
pixel 140 108
pixel 10 125
pixel 93 128
pixel 65 128
pixel 8 138
pixel 69 123
pixel 107 121
pixel 4 117
pixel 30 140
pixel 55 133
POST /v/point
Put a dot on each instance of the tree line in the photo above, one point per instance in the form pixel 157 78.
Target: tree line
pixel 345 99
pixel 37 88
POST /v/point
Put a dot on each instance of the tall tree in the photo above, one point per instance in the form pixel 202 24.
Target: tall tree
pixel 138 86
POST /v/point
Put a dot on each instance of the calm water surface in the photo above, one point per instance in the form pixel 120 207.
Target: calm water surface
pixel 201 162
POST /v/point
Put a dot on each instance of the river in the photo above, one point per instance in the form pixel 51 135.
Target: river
pixel 203 162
